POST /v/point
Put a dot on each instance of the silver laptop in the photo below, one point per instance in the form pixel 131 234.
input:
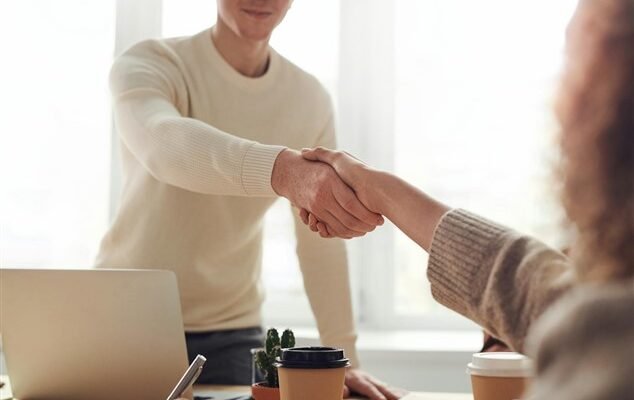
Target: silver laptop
pixel 91 334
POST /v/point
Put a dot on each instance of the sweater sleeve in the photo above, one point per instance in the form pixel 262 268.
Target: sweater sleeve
pixel 324 267
pixel 496 277
pixel 148 92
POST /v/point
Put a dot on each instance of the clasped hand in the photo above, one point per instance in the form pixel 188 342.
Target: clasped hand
pixel 328 188
pixel 324 197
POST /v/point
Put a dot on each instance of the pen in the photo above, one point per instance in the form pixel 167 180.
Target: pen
pixel 188 378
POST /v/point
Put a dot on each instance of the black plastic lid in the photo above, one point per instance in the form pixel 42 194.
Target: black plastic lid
pixel 312 358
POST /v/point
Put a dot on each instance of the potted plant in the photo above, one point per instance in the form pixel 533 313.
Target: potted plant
pixel 264 359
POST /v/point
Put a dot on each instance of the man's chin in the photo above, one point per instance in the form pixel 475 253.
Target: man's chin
pixel 256 35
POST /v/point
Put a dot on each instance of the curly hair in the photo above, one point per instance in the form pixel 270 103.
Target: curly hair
pixel 596 112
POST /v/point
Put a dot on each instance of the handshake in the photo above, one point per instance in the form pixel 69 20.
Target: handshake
pixel 337 194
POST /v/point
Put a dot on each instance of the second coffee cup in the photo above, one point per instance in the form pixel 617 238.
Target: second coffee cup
pixel 499 376
pixel 312 373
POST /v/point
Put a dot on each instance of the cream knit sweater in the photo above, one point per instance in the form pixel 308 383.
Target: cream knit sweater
pixel 198 143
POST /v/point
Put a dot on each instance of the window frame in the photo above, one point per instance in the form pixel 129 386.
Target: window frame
pixel 364 111
pixel 135 21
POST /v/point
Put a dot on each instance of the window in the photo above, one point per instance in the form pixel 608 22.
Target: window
pixel 454 96
pixel 55 131
pixel 474 84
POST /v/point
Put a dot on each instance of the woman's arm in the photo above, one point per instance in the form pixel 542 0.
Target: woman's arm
pixel 492 275
pixel 411 210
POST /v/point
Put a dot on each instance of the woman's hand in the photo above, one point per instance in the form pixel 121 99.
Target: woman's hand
pixel 350 169
pixel 316 187
pixel 410 209
pixel 353 172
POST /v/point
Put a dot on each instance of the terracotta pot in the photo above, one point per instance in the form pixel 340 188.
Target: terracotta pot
pixel 260 391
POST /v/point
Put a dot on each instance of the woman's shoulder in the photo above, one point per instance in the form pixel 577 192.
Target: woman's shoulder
pixel 590 309
pixel 584 344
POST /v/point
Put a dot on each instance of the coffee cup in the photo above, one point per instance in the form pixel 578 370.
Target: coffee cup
pixel 311 373
pixel 499 376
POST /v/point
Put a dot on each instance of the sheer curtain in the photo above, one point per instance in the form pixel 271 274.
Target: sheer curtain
pixel 473 123
pixel 454 96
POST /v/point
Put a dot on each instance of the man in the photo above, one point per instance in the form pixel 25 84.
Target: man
pixel 206 124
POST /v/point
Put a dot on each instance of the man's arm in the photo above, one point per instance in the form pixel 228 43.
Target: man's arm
pixel 148 92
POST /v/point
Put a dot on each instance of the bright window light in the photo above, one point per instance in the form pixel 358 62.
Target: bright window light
pixel 54 131
pixel 473 124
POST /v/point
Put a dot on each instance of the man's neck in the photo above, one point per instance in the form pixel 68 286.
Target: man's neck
pixel 249 58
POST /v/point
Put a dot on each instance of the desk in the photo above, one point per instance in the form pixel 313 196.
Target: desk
pixel 421 395
pixel 5 392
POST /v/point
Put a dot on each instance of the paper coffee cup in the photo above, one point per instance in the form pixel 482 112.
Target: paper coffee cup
pixel 311 373
pixel 499 376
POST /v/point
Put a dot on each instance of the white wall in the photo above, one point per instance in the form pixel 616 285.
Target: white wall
pixel 440 371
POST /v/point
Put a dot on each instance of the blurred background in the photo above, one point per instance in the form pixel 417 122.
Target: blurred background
pixel 454 96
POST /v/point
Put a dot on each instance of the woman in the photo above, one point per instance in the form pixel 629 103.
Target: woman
pixel 509 283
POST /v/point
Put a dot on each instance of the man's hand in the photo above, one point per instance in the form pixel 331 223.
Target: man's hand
pixel 410 209
pixel 316 187
pixel 353 172
pixel 365 384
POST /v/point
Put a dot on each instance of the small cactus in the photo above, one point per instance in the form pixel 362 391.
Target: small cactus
pixel 265 359
pixel 288 339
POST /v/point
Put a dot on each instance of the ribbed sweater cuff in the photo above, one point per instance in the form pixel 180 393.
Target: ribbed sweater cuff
pixel 460 249
pixel 257 167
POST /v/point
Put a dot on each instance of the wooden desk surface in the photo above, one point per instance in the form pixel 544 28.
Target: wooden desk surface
pixel 5 392
pixel 419 395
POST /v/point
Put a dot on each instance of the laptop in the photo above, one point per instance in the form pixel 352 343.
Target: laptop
pixel 91 334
